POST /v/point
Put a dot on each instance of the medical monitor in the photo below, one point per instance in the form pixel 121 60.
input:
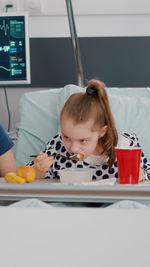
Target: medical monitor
pixel 14 49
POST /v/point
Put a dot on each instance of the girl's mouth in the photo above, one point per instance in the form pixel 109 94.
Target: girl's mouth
pixel 77 156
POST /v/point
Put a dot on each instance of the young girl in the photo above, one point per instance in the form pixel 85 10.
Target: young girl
pixel 87 127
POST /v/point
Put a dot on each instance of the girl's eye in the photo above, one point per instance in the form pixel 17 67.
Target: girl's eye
pixel 66 137
pixel 83 141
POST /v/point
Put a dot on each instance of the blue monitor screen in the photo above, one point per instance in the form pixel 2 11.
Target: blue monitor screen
pixel 14 49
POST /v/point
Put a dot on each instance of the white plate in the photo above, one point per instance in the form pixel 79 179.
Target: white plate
pixel 110 181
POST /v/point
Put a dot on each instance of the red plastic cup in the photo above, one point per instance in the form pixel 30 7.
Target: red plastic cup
pixel 128 161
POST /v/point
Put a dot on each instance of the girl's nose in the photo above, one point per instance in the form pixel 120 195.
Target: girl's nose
pixel 74 148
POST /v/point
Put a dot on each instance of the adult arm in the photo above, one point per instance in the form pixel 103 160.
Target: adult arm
pixel 7 163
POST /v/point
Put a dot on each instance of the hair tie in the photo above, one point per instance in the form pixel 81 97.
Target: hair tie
pixel 91 91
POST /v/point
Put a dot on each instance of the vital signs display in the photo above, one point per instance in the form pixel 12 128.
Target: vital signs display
pixel 14 49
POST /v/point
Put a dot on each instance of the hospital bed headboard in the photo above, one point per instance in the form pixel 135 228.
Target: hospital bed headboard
pixel 118 61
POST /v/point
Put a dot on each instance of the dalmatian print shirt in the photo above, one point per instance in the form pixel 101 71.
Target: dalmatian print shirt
pixel 97 163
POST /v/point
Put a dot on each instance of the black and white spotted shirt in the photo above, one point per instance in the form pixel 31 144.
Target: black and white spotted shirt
pixel 97 163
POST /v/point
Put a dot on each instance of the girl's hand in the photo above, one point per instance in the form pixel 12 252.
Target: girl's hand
pixel 142 175
pixel 43 162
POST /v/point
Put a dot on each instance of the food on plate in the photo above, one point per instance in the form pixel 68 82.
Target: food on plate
pixel 26 172
pixel 23 174
pixel 11 177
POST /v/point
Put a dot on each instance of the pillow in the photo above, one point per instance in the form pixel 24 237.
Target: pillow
pixel 131 115
pixel 144 92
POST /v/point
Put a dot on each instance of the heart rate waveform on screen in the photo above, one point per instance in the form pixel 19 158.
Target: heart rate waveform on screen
pixel 2 67
pixel 4 27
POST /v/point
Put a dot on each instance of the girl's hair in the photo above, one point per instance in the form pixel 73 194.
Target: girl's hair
pixel 94 104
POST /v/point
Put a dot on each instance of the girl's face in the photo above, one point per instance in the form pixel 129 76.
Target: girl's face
pixel 79 138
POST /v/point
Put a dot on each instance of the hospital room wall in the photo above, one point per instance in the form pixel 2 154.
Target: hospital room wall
pixel 99 21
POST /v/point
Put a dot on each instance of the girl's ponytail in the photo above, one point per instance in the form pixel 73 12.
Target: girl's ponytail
pixel 110 139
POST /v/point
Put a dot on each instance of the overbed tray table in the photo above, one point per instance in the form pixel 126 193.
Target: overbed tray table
pixel 46 190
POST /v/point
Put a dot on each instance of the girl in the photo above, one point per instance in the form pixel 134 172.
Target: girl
pixel 87 127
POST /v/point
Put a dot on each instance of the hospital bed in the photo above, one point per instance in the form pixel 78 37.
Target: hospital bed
pixel 53 234
pixel 39 121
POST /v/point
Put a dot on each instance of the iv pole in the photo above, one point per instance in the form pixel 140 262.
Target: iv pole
pixel 75 42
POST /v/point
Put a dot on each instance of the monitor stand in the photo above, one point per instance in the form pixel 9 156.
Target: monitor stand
pixel 75 42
